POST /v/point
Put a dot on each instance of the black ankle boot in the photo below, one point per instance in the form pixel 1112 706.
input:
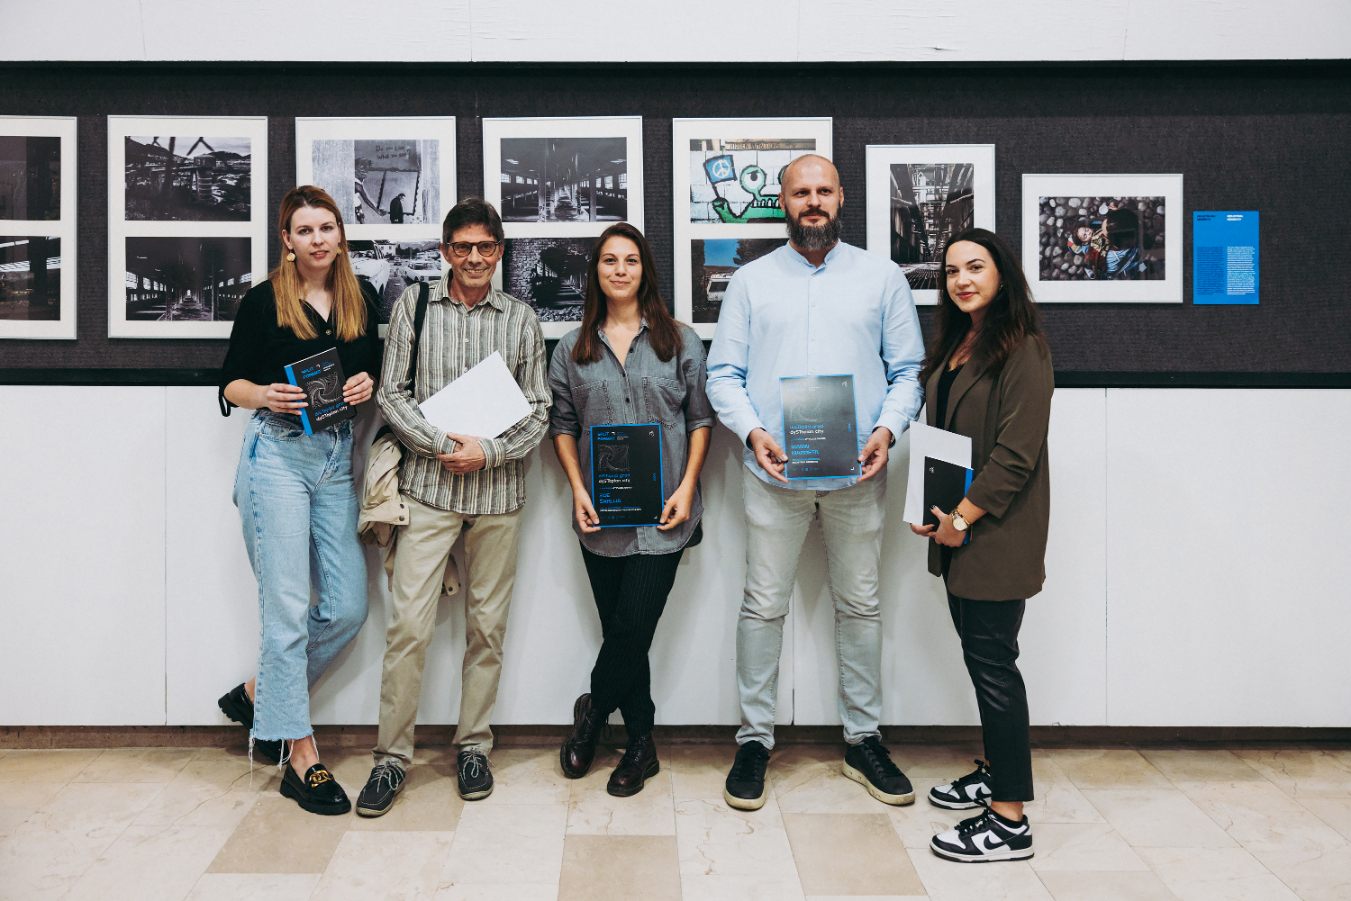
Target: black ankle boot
pixel 579 748
pixel 637 766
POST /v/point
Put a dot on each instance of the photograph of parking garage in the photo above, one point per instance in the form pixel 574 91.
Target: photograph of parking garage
pixel 389 267
pixel 186 279
pixel 30 279
pixel 564 180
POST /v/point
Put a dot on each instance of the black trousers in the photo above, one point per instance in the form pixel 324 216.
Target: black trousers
pixel 630 595
pixel 989 631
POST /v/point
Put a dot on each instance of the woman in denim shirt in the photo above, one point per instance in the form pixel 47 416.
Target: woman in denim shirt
pixel 629 363
pixel 295 491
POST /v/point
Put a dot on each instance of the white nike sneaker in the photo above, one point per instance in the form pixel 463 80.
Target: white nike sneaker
pixel 967 793
pixel 983 838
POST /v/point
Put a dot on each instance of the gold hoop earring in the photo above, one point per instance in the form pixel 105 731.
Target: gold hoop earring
pixel 291 257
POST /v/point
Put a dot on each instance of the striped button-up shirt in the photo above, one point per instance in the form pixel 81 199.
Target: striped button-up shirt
pixel 454 339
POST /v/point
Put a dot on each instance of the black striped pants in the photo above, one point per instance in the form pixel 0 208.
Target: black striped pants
pixel 630 595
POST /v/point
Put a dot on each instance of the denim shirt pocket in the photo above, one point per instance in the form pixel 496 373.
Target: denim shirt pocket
pixel 591 400
pixel 664 399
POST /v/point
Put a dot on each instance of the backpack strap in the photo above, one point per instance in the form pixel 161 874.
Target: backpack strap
pixel 424 293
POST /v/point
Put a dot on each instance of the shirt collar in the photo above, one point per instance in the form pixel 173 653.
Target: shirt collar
pixel 830 255
pixel 443 293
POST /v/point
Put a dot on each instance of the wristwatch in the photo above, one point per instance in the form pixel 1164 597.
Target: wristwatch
pixel 959 522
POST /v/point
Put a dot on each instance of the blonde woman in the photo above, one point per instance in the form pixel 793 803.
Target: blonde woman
pixel 295 492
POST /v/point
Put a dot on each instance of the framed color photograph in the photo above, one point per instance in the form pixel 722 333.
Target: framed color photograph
pixel 727 176
pixel 1103 238
pixel 558 183
pixel 187 223
pixel 394 180
pixel 920 195
pixel 37 227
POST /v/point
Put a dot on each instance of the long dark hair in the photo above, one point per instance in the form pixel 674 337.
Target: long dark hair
pixel 1010 319
pixel 663 332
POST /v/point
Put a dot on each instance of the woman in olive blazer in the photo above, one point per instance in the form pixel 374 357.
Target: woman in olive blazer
pixel 988 376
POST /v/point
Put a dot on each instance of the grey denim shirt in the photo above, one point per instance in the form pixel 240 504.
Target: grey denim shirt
pixel 644 389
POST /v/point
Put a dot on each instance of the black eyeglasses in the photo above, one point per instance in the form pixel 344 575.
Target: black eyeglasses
pixel 461 249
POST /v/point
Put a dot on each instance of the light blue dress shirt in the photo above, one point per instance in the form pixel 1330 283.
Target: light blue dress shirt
pixel 784 317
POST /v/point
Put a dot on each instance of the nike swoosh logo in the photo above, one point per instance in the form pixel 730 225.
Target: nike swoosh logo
pixel 986 842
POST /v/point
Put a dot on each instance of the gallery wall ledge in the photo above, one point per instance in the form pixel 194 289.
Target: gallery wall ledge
pixel 693 31
pixel 1063 379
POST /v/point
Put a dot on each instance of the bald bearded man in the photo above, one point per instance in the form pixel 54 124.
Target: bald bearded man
pixel 815 307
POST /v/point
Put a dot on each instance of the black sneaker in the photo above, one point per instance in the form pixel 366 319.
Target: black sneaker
pixel 745 788
pixel 476 779
pixel 968 792
pixel 983 838
pixel 318 792
pixel 869 764
pixel 236 705
pixel 384 784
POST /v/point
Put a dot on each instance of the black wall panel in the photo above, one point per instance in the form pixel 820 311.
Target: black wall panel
pixel 1271 137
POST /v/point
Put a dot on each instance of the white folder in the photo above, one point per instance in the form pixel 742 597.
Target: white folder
pixel 482 403
pixel 927 441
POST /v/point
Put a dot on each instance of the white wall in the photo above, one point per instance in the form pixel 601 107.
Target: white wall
pixel 692 31
pixel 1184 588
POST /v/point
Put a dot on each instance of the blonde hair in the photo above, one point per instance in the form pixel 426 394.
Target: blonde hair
pixel 349 304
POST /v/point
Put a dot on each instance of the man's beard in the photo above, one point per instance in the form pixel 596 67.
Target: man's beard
pixel 814 237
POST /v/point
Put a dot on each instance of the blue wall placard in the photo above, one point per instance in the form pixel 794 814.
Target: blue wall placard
pixel 1224 257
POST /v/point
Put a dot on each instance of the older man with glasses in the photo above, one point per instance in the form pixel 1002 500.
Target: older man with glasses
pixel 451 484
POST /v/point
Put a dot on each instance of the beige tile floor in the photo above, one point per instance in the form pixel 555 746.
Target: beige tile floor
pixel 1134 823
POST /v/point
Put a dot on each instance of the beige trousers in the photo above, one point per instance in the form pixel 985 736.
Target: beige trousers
pixel 490 548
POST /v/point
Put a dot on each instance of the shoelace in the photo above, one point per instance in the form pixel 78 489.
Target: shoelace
pixel 976 823
pixel 387 774
pixel 632 753
pixel 981 774
pixel 746 765
pixel 880 758
pixel 475 762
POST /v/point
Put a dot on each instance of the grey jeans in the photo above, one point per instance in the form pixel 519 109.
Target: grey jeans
pixel 851 523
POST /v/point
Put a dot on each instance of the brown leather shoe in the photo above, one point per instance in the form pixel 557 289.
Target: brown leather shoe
pixel 637 766
pixel 579 748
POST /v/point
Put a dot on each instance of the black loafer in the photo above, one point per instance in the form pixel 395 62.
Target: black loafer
pixel 475 777
pixel 318 792
pixel 236 705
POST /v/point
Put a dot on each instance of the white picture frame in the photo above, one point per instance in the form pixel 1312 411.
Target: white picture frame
pixel 1157 204
pixel 914 177
pixel 562 213
pixel 421 150
pixel 17 291
pixel 209 225
pixel 738 146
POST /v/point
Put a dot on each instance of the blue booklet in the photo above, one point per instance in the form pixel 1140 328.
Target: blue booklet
pixel 627 486
pixel 322 379
pixel 820 427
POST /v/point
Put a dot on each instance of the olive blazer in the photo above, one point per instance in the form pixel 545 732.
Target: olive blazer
pixel 1006 417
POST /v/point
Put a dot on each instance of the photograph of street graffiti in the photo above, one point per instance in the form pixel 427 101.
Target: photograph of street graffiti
pixel 30 279
pixel 30 177
pixel 186 279
pixel 712 264
pixel 1101 238
pixel 930 202
pixel 549 274
pixel 187 179
pixel 737 180
pixel 564 179
pixel 389 267
pixel 384 182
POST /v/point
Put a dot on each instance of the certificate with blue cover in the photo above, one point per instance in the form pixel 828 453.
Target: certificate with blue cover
pixel 820 427
pixel 322 379
pixel 627 486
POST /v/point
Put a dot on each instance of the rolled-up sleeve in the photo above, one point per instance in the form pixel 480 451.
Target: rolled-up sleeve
pixel 694 370
pixel 1025 389
pixel 902 354
pixel 728 360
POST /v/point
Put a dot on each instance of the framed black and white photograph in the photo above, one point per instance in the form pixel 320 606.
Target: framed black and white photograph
pixel 919 196
pixel 1103 238
pixel 727 177
pixel 37 227
pixel 558 183
pixel 389 267
pixel 187 223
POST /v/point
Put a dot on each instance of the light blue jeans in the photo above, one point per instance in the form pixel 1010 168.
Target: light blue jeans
pixel 298 505
pixel 776 521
